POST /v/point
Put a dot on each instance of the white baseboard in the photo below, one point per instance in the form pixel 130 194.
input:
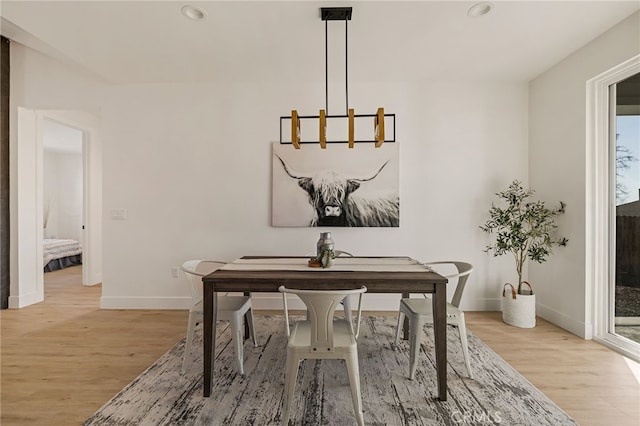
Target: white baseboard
pixel 562 320
pixel 23 300
pixel 493 304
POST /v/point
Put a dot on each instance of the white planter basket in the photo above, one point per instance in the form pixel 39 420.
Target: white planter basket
pixel 518 310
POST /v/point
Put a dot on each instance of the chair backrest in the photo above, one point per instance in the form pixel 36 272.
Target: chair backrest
pixel 321 305
pixel 464 270
pixel 194 270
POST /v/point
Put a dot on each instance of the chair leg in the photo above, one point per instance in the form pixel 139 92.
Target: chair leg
pixel 191 327
pixel 462 329
pixel 238 340
pixel 354 382
pixel 252 332
pixel 415 336
pixel 400 325
pixel 291 377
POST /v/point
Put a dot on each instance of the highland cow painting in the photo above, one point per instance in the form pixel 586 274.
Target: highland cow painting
pixel 336 186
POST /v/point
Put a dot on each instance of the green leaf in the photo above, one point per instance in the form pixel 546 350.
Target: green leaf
pixel 522 226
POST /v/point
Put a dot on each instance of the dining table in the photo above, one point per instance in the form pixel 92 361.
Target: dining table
pixel 380 274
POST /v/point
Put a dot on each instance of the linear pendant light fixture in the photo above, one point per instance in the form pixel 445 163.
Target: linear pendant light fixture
pixel 378 130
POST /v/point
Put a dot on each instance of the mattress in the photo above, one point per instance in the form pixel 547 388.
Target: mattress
pixel 61 249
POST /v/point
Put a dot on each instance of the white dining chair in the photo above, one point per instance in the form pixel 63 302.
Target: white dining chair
pixel 420 312
pixel 346 302
pixel 230 308
pixel 321 336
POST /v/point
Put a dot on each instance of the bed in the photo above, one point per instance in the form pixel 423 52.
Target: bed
pixel 61 253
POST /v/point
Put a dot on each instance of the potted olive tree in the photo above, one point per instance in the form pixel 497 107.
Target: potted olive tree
pixel 526 229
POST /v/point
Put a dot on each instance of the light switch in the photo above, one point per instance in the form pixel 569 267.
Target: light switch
pixel 118 214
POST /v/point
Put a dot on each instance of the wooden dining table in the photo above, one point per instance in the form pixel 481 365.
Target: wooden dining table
pixel 260 274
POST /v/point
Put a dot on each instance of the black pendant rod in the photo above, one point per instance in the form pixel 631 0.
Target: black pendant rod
pixel 346 69
pixel 326 66
pixel 335 14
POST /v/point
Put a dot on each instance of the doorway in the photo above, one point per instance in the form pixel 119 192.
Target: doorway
pixel 28 287
pixel 62 203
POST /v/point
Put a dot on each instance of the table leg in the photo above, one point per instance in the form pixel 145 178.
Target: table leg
pixel 405 325
pixel 440 337
pixel 210 307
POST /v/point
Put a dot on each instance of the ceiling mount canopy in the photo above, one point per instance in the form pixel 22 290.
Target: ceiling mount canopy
pixel 336 13
pixel 325 135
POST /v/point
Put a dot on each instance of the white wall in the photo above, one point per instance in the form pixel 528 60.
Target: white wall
pixel 63 194
pixel 191 164
pixel 558 167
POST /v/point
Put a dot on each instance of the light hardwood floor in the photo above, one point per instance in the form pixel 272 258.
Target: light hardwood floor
pixel 64 358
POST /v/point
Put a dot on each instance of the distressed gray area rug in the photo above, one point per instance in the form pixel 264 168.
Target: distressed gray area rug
pixel 497 396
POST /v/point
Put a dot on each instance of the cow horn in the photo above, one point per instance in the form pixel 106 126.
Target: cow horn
pixel 286 169
pixel 373 177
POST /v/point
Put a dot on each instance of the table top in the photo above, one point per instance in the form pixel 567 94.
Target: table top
pixel 398 274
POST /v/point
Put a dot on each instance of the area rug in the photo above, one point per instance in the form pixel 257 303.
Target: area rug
pixel 497 395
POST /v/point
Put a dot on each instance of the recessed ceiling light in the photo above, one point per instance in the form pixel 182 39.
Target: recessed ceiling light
pixel 480 9
pixel 194 13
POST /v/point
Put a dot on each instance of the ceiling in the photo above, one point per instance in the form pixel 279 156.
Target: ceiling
pixel 152 42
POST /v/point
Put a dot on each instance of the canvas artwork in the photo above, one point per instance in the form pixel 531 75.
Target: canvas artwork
pixel 336 186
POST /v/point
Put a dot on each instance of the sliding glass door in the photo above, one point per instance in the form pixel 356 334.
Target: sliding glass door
pixel 624 237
